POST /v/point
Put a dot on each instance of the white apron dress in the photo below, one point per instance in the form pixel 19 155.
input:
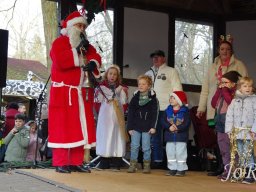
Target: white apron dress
pixel 109 141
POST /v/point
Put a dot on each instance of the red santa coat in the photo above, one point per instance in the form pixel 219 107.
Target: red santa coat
pixel 71 120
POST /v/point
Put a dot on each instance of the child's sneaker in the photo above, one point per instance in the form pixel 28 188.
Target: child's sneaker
pixel 171 173
pixel 180 173
pixel 249 180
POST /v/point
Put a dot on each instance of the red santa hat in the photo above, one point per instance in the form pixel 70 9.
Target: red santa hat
pixel 71 20
pixel 180 97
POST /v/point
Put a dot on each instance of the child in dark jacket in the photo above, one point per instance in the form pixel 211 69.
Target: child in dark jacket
pixel 176 123
pixel 220 101
pixel 142 118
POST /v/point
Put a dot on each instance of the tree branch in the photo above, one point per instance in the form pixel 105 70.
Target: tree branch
pixel 13 7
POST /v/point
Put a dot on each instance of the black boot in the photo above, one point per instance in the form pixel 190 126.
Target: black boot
pixel 219 171
pixel 63 169
pixel 79 168
pixel 220 168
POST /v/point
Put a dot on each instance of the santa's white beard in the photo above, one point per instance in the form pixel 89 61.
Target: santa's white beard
pixel 74 36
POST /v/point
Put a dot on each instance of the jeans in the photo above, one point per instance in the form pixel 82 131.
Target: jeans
pixel 157 140
pixel 242 150
pixel 135 145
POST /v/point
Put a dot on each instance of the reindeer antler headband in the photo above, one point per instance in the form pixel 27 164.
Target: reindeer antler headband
pixel 227 38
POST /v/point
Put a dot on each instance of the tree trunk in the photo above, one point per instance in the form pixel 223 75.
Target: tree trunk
pixel 50 20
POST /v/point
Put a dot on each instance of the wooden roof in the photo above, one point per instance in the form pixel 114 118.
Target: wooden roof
pixel 220 7
pixel 17 69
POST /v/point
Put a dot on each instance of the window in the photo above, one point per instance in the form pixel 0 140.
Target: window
pixel 193 50
pixel 100 35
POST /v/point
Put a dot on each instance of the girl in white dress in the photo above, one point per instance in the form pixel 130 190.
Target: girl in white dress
pixel 111 135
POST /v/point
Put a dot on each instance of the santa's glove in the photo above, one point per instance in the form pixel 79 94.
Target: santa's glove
pixel 83 45
pixel 90 66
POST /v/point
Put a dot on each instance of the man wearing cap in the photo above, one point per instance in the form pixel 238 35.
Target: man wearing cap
pixel 165 80
pixel 71 122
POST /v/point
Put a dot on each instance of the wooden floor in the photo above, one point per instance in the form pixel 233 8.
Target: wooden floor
pixel 111 181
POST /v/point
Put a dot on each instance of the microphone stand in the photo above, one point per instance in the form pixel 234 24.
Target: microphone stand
pixel 39 113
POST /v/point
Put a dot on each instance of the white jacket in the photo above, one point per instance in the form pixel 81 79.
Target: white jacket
pixel 165 81
pixel 241 114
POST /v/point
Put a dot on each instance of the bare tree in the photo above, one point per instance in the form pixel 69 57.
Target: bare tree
pixel 24 39
pixel 193 51
pixel 20 36
pixel 8 9
pixel 36 50
pixel 100 34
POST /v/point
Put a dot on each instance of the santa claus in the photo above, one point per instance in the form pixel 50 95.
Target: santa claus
pixel 71 122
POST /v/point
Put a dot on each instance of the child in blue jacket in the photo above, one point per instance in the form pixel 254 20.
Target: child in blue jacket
pixel 176 123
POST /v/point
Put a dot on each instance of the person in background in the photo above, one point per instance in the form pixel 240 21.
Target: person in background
pixel 224 62
pixel 34 143
pixel 11 111
pixel 164 78
pixel 220 101
pixel 176 122
pixel 141 122
pixel 17 141
pixel 22 108
pixel 45 152
pixel 111 133
pixel 75 65
pixel 241 121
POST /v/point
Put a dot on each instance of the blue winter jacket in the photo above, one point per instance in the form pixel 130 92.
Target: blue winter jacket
pixel 182 121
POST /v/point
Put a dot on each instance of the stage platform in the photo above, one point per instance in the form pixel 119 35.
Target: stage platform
pixel 120 181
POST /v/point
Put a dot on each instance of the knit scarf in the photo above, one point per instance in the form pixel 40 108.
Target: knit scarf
pixel 219 71
pixel 144 98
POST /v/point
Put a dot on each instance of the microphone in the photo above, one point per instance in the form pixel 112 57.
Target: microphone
pixel 84 41
pixel 82 37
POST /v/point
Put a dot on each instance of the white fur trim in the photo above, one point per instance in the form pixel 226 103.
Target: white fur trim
pixel 82 116
pixel 76 20
pixel 64 31
pixel 177 98
pixel 66 145
pixel 114 66
pixel 152 92
pixel 135 92
pixel 89 146
pixel 76 58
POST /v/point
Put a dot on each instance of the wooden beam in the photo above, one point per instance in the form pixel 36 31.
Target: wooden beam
pixel 66 7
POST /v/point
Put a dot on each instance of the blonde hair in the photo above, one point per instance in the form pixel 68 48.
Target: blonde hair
pixel 146 78
pixel 244 80
pixel 116 67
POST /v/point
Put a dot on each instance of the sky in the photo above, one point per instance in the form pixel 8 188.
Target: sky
pixel 26 13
